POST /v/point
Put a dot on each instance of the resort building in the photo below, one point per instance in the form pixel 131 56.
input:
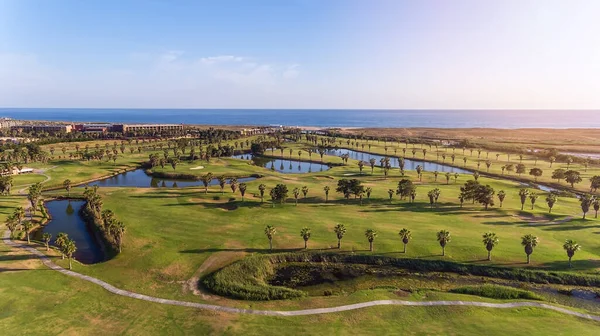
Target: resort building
pixel 44 128
pixel 261 130
pixel 93 128
pixel 7 122
pixel 147 128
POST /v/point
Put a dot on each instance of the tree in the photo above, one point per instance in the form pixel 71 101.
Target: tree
pixel 501 196
pixel 419 170
pixel 68 249
pixel 326 189
pixel 270 232
pixel 206 179
pixel 571 247
pixel 520 168
pixel 349 187
pixel 46 238
pixel 433 195
pixel 233 183
pixel 572 177
pixel 261 189
pixel 484 195
pixel 390 194
pixel 443 237
pixel 529 242
pixel 67 186
pixel 535 172
pixel 490 240
pixel 435 175
pixel 447 178
pixel 533 197
pixel 34 194
pixel 61 239
pixel 27 226
pixel 173 161
pixel 243 187
pixel 340 231
pixel 304 191
pixel 372 163
pixel 361 165
pixel 370 234
pixel 222 182
pixel 594 183
pixel 405 236
pixel 551 160
pixel 488 164
pixel 586 201
pixel 368 191
pixel 305 234
pixel 596 205
pixel 523 194
pixel 559 174
pixel 569 161
pixel 551 200
pixel 296 193
pixel 405 188
pixel 476 175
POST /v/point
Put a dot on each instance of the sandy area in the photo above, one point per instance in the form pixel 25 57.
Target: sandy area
pixel 196 168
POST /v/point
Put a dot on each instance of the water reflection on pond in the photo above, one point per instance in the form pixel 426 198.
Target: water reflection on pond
pixel 286 166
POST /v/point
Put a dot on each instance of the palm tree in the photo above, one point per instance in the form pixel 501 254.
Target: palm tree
pixel 206 181
pixel 529 241
pixel 261 189
pixel 361 165
pixel 490 240
pixel 523 193
pixel 443 237
pixel 46 238
pixel 222 182
pixel 68 249
pixel 326 189
pixel 571 247
pixel 340 231
pixel 419 170
pixel 372 163
pixel 551 159
pixel 586 201
pixel 501 196
pixel 27 226
pixel 435 175
pixel 551 200
pixel 304 191
pixel 67 186
pixel 533 197
pixel 405 235
pixel 368 191
pixel 243 187
pixel 447 178
pixel 61 238
pixel 370 234
pixel 233 183
pixel 596 205
pixel 391 194
pixel 270 232
pixel 305 234
pixel 296 193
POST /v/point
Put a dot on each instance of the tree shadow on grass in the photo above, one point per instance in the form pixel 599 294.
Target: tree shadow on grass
pixel 248 250
pixel 563 265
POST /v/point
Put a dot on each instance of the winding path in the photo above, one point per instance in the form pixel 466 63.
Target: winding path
pixel 314 311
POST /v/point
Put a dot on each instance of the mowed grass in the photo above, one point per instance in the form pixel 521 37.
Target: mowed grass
pixel 172 232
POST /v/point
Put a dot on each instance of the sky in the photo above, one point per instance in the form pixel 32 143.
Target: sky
pixel 369 54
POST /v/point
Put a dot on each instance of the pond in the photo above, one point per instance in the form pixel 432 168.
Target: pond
pixel 288 166
pixel 66 218
pixel 139 179
pixel 409 164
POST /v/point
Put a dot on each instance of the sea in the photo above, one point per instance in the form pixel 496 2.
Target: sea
pixel 508 119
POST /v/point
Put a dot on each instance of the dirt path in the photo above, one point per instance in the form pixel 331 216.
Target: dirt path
pixel 314 311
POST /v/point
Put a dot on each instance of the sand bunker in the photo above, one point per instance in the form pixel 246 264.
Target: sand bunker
pixel 196 168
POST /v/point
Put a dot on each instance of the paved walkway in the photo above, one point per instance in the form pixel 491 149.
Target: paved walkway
pixel 314 311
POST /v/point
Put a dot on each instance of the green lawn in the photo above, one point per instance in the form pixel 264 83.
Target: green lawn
pixel 176 234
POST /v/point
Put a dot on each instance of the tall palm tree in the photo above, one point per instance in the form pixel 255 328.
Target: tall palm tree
pixel 206 181
pixel 551 200
pixel 405 235
pixel 490 240
pixel 46 238
pixel 596 205
pixel 61 238
pixel 304 191
pixel 529 242
pixel 585 202
pixel 533 197
pixel 233 183
pixel 419 170
pixel 443 237
pixel 270 232
pixel 372 163
pixel 501 196
pixel 243 188
pixel 222 182
pixel 67 186
pixel 296 193
pixel 523 193
pixel 305 234
pixel 435 175
pixel 326 189
pixel 69 249
pixel 261 189
pixel 370 234
pixel 571 247
pixel 340 231
pixel 27 226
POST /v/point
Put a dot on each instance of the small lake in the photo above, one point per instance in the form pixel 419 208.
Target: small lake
pixel 139 179
pixel 66 218
pixel 409 164
pixel 289 166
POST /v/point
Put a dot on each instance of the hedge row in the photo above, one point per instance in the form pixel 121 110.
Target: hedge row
pixel 497 292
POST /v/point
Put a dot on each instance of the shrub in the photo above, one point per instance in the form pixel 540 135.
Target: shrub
pixel 217 198
pixel 497 292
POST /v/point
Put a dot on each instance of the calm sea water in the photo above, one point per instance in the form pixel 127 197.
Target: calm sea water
pixel 323 118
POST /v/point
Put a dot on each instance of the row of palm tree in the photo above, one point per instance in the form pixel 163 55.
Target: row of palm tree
pixel 489 239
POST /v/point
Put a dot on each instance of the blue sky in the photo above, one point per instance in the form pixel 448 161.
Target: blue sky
pixel 300 54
